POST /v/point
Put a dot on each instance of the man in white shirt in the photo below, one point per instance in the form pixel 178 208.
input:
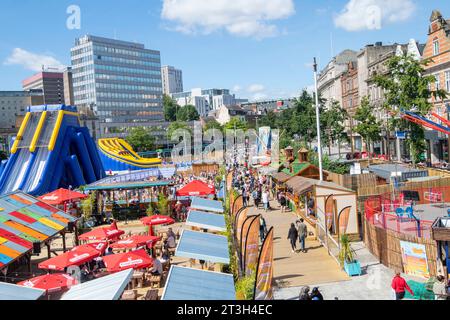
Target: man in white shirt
pixel 157 268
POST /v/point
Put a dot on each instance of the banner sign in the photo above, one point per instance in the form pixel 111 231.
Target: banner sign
pixel 264 272
pixel 243 238
pixel 414 258
pixel 237 205
pixel 240 219
pixel 251 248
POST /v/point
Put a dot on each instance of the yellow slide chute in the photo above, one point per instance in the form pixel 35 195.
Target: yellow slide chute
pixel 120 150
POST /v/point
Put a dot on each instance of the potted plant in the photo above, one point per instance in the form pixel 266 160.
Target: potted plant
pixel 347 258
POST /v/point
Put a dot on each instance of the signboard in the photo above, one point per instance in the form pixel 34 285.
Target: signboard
pixel 400 134
pixel 414 258
pixel 251 247
pixel 264 272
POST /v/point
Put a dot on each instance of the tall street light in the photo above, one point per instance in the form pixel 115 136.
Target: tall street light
pixel 319 143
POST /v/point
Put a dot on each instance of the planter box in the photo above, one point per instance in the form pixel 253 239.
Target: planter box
pixel 353 269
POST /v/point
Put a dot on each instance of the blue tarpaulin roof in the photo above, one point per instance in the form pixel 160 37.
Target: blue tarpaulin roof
pixel 203 246
pixel 207 205
pixel 206 220
pixel 107 288
pixel 193 284
pixel 14 292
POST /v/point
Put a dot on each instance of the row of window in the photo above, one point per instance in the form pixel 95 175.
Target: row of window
pixel 437 83
pixel 115 95
pixel 79 51
pixel 133 53
pixel 112 86
pixel 128 61
pixel 128 70
pixel 103 76
pixel 110 105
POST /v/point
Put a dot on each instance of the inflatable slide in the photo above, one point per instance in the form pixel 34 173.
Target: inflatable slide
pixel 51 151
pixel 118 155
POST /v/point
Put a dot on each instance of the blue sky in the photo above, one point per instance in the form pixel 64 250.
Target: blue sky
pixel 259 48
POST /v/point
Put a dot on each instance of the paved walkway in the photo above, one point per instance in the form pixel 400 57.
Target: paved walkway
pixel 298 269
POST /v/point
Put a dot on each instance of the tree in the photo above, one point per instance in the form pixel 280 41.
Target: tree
pixel 174 126
pixel 213 124
pixel 170 108
pixel 407 88
pixel 188 113
pixel 141 139
pixel 236 123
pixel 334 119
pixel 368 127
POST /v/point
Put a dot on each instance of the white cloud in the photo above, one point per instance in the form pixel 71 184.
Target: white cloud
pixel 244 18
pixel 259 96
pixel 256 88
pixel 236 88
pixel 32 61
pixel 373 14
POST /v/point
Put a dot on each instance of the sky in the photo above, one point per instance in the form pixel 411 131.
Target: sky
pixel 257 48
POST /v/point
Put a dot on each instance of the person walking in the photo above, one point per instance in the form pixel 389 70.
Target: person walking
pixel 399 285
pixel 255 196
pixel 302 231
pixel 440 289
pixel 283 202
pixel 265 200
pixel 262 228
pixel 292 236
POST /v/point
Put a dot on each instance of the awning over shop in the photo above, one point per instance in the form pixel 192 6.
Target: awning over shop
pixel 205 220
pixel 206 205
pixel 107 288
pixel 128 185
pixel 19 293
pixel 203 246
pixel 193 284
pixel 281 177
pixel 25 220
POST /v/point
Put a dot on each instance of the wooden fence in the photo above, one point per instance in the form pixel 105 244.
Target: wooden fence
pixel 385 245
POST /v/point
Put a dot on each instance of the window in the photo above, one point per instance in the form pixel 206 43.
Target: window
pixel 447 81
pixel 435 47
pixel 438 82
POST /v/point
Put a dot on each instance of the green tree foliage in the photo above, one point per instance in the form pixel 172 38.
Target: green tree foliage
pixel 170 109
pixel 141 139
pixel 213 124
pixel 368 126
pixel 187 113
pixel 163 204
pixel 174 126
pixel 334 118
pixel 407 88
pixel 236 123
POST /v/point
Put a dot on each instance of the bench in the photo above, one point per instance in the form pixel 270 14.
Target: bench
pixel 151 295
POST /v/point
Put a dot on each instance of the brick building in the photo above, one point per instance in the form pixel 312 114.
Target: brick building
pixel 437 50
pixel 350 99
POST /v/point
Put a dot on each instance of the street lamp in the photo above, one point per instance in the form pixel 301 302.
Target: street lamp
pixel 319 144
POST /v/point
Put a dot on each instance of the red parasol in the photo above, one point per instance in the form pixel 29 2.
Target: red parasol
pixel 99 246
pixel 131 260
pixel 196 188
pixel 105 233
pixel 50 282
pixel 78 256
pixel 135 242
pixel 61 196
pixel 157 220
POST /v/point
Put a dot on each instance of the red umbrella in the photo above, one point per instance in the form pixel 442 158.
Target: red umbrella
pixel 99 246
pixel 76 257
pixel 135 242
pixel 196 188
pixel 105 233
pixel 50 282
pixel 62 195
pixel 157 220
pixel 131 260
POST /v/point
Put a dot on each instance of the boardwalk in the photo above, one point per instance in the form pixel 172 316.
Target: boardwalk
pixel 298 269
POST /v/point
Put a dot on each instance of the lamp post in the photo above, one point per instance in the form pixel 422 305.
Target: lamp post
pixel 319 143
pixel 309 132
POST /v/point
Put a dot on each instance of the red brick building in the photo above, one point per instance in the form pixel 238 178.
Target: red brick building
pixel 438 50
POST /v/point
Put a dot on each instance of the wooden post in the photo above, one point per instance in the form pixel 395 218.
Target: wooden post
pixel 49 254
pixel 64 241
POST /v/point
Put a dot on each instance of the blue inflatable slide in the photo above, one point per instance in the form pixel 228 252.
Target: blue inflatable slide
pixel 51 151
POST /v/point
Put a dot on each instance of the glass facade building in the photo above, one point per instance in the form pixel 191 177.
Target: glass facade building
pixel 117 81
